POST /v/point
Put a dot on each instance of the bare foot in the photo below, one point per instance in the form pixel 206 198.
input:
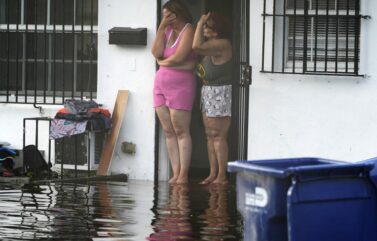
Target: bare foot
pixel 173 180
pixel 182 180
pixel 221 181
pixel 208 180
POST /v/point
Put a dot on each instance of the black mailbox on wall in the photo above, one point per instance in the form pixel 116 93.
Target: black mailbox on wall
pixel 125 35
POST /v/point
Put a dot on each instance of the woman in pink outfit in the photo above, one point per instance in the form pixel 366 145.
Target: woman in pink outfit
pixel 174 85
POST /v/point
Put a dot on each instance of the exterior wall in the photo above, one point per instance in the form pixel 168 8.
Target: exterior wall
pixel 11 122
pixel 131 68
pixel 319 116
pixel 119 67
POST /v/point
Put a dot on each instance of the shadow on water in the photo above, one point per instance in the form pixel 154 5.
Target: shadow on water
pixel 119 211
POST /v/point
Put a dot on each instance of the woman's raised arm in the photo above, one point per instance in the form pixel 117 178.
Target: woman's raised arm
pixel 159 42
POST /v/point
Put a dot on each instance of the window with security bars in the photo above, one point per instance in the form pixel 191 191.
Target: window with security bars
pixel 311 37
pixel 48 50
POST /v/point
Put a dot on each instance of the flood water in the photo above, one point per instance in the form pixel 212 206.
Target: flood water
pixel 119 211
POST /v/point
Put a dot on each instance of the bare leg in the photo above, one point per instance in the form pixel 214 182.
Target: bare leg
pixel 181 123
pixel 163 114
pixel 211 154
pixel 218 131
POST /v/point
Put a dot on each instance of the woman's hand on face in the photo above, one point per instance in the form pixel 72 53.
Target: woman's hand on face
pixel 204 18
pixel 168 18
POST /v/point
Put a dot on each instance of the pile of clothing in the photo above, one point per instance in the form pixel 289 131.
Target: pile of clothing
pixel 7 156
pixel 79 116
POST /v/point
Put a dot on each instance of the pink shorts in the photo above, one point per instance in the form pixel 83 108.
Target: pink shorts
pixel 174 88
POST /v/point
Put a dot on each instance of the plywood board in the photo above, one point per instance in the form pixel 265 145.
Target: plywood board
pixel 111 140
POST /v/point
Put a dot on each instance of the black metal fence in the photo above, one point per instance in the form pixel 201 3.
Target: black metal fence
pixel 311 36
pixel 48 50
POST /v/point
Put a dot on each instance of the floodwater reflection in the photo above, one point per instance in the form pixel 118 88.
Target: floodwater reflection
pixel 118 211
pixel 172 220
pixel 216 218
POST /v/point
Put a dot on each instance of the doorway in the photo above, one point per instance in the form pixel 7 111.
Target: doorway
pixel 238 11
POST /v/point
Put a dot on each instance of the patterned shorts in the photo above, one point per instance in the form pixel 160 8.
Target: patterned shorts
pixel 216 101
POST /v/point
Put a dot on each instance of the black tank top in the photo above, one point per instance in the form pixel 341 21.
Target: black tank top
pixel 212 74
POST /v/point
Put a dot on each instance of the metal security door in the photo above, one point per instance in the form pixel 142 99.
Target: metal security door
pixel 239 131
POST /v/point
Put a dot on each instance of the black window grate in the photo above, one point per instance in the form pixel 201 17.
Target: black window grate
pixel 49 50
pixel 311 37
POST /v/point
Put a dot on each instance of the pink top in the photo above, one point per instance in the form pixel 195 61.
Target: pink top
pixel 169 51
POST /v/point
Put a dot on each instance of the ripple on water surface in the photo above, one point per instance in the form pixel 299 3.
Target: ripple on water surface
pixel 119 211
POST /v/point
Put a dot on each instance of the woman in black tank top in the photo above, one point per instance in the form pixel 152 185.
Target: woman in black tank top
pixel 212 41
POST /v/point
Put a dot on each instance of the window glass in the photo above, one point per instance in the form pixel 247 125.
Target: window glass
pixel 85 72
pixel 87 12
pixel 10 10
pixel 62 12
pixel 11 46
pixel 35 11
pixel 87 46
pixel 36 77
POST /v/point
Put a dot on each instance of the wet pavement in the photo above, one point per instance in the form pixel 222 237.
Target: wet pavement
pixel 119 211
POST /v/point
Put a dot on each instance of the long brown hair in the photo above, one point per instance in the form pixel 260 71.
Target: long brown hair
pixel 180 9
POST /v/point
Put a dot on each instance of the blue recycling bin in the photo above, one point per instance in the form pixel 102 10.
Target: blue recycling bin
pixel 306 199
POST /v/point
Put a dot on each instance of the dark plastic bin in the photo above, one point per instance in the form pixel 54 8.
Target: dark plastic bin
pixel 306 199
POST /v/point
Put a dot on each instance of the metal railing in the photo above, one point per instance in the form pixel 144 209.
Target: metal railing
pixel 72 150
pixel 49 50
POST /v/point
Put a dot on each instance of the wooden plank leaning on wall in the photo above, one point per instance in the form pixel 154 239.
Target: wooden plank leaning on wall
pixel 111 140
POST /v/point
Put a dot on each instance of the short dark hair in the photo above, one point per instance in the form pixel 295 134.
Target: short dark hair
pixel 222 25
pixel 180 9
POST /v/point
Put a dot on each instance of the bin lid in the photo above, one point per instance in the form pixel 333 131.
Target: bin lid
pixel 373 172
pixel 298 166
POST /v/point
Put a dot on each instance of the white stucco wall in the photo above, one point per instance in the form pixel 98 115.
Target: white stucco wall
pixel 319 116
pixel 11 120
pixel 132 68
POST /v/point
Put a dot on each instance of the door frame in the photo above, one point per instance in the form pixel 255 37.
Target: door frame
pixel 242 75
